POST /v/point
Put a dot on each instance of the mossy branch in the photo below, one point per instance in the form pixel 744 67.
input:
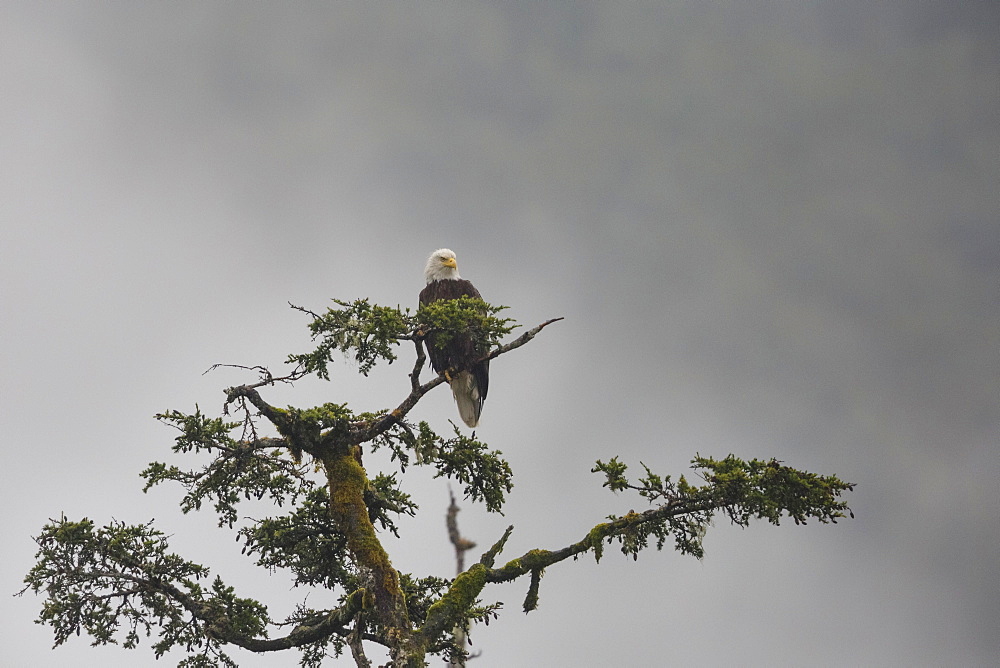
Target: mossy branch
pixel 742 490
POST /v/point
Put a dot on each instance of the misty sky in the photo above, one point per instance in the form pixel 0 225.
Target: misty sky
pixel 773 229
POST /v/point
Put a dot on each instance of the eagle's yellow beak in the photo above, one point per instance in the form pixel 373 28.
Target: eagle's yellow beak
pixel 450 262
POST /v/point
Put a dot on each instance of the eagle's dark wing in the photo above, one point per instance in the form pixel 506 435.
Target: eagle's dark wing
pixel 461 352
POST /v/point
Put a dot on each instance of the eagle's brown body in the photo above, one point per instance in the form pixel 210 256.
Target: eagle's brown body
pixel 470 378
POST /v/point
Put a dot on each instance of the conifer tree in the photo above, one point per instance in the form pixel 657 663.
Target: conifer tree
pixel 120 583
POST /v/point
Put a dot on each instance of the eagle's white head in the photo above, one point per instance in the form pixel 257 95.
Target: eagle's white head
pixel 441 265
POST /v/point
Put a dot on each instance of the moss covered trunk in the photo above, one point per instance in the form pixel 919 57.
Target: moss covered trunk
pixel 347 508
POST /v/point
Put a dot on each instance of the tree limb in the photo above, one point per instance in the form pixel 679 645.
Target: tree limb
pixel 534 560
pixel 521 340
pixel 219 625
pixel 367 431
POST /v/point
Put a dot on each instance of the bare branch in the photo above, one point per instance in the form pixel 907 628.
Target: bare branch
pixel 418 364
pixel 461 544
pixel 521 340
pixel 315 316
pixel 266 377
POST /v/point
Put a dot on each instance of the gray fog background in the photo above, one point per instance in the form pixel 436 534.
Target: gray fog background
pixel 773 229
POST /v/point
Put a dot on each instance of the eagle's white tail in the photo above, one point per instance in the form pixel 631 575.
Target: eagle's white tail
pixel 466 392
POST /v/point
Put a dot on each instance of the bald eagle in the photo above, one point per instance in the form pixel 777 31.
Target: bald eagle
pixel 470 378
